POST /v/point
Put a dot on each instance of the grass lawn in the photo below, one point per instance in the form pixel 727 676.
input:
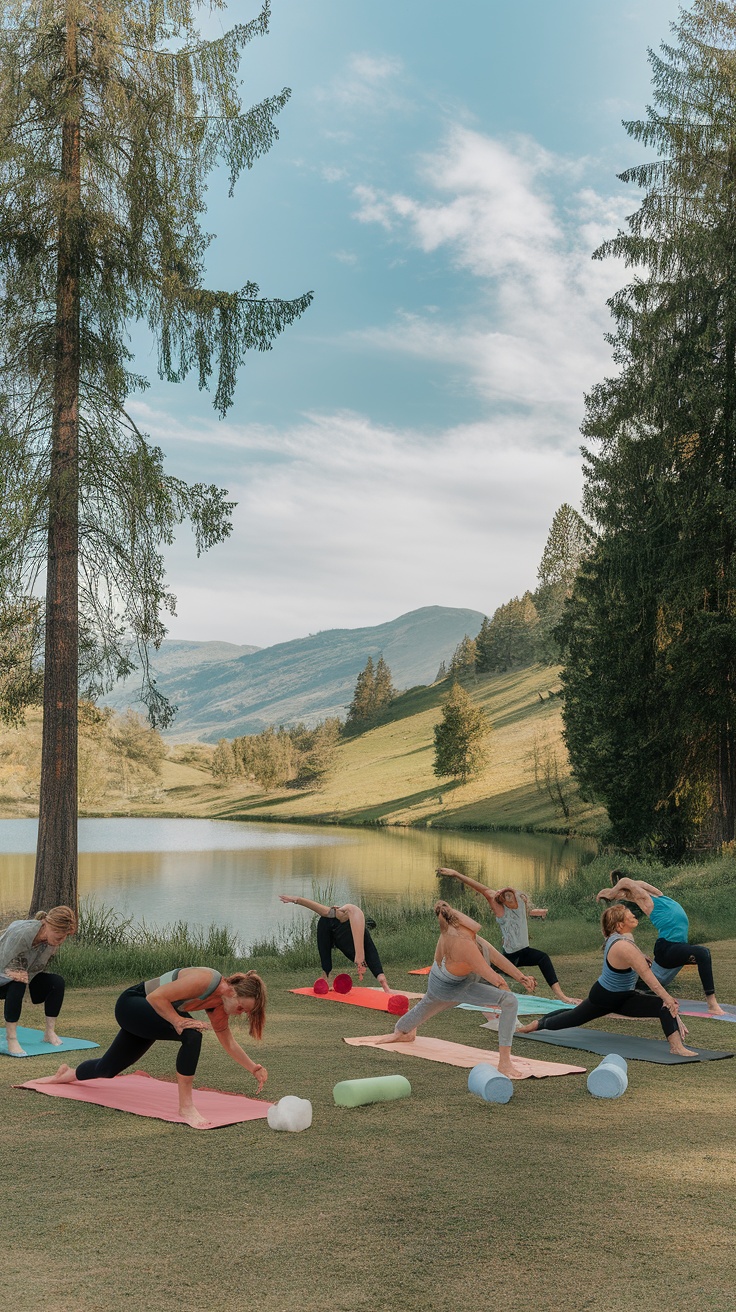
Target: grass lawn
pixel 555 1201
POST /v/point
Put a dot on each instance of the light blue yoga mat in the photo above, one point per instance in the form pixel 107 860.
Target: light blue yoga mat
pixel 32 1041
pixel 528 1005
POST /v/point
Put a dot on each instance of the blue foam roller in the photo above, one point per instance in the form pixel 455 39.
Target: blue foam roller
pixel 610 1079
pixel 490 1084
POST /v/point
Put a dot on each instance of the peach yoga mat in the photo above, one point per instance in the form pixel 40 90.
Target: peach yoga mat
pixel 143 1095
pixel 375 999
pixel 423 970
pixel 458 1054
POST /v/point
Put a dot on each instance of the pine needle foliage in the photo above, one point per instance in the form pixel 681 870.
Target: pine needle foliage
pixel 650 673
pixel 460 737
pixel 113 115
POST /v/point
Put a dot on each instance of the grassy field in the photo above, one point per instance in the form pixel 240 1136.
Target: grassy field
pixel 556 1201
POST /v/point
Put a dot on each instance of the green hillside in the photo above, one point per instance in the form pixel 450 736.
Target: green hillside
pixel 385 775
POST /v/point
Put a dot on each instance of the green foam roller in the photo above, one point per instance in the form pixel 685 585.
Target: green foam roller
pixel 381 1088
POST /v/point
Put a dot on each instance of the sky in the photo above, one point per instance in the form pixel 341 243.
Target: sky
pixel 442 176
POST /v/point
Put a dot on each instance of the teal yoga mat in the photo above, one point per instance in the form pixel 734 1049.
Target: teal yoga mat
pixel 32 1041
pixel 528 1005
pixel 632 1047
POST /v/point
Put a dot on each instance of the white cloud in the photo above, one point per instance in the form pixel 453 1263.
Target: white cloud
pixel 535 335
pixel 342 522
pixel 368 83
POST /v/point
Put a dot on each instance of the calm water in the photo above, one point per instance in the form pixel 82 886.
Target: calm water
pixel 231 873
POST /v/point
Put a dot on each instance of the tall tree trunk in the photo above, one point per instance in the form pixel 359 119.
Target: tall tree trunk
pixel 726 799
pixel 56 855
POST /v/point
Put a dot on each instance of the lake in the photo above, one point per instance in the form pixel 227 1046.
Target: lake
pixel 231 873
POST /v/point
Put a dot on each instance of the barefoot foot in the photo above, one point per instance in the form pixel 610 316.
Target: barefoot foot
pixel 679 1050
pixel 50 1036
pixel 64 1075
pixel 714 1009
pixel 513 1071
pixel 194 1118
pixel 14 1049
pixel 528 1029
pixel 397 1037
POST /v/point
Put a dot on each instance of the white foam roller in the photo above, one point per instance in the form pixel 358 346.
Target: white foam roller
pixel 490 1084
pixel 610 1078
pixel 290 1113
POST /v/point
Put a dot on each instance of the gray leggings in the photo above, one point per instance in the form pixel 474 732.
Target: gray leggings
pixel 445 990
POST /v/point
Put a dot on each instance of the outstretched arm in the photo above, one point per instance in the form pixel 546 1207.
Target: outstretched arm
pixel 238 1054
pixel 474 958
pixel 628 954
pixel 307 902
pixel 357 929
pixel 633 890
pixel 489 894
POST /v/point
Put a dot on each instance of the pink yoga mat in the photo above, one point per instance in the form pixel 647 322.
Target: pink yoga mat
pixel 458 1054
pixel 142 1095
pixel 374 999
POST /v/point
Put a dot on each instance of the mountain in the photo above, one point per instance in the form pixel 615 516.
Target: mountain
pixel 223 691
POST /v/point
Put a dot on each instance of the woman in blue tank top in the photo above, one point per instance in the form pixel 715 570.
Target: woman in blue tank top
pixel 614 991
pixel 671 950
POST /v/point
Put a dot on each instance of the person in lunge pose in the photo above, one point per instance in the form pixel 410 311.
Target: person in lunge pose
pixel 161 1009
pixel 511 907
pixel 614 992
pixel 462 971
pixel 344 927
pixel 671 950
pixel 26 947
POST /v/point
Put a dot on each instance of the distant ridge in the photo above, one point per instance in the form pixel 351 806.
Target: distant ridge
pixel 223 690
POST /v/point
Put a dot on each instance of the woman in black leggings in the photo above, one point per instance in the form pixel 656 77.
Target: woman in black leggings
pixel 160 1009
pixel 614 991
pixel 344 927
pixel 26 947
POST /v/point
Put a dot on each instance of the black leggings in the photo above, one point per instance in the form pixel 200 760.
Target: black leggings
pixel 140 1027
pixel 533 957
pixel 603 1002
pixel 681 954
pixel 44 987
pixel 331 935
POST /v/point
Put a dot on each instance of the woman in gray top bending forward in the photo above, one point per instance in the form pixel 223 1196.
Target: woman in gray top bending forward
pixel 26 947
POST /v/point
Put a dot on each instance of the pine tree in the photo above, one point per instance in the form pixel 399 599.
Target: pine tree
pixel 362 707
pixel 463 662
pixel 383 688
pixel 459 738
pixel 569 540
pixel 650 673
pixel 441 673
pixel 509 638
pixel 111 118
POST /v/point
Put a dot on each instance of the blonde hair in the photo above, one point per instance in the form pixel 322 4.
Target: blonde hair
pixel 248 984
pixel 61 918
pixel 448 915
pixel 611 919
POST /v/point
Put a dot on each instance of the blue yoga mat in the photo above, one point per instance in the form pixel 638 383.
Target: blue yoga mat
pixel 528 1005
pixel 32 1041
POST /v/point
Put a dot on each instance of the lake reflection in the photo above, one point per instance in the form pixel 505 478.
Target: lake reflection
pixel 231 873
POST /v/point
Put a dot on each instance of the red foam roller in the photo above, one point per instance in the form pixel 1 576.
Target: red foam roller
pixel 321 986
pixel 342 984
pixel 398 1004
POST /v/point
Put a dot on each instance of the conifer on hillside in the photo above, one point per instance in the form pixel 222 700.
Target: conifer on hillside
pixel 460 737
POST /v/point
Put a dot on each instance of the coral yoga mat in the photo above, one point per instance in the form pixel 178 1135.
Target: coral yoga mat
pixel 375 999
pixel 143 1095
pixel 458 1054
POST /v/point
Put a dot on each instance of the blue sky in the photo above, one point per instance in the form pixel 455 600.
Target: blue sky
pixel 443 173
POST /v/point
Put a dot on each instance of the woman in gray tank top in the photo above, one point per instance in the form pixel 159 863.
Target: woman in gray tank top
pixel 510 907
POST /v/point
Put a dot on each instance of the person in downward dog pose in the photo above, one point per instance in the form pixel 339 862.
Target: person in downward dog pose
pixel 345 928
pixel 462 971
pixel 26 947
pixel 671 950
pixel 511 907
pixel 614 992
pixel 160 1009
